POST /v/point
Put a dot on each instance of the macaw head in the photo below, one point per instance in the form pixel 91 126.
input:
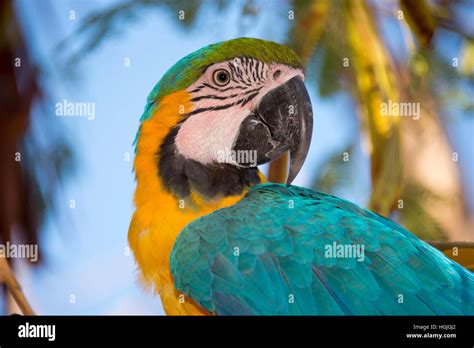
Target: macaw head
pixel 241 103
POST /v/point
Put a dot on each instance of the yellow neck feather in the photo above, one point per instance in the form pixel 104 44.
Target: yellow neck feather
pixel 159 216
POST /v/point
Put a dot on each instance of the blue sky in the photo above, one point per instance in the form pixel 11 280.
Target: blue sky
pixel 86 247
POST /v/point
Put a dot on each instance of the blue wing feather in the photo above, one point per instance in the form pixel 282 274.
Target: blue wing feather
pixel 266 256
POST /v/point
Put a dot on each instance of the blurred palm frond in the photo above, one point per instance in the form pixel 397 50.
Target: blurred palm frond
pixel 415 217
pixel 335 172
pixel 113 21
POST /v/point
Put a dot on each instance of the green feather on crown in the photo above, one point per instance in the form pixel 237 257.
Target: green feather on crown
pixel 189 69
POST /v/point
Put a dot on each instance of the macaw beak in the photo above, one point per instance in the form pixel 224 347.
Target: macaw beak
pixel 282 121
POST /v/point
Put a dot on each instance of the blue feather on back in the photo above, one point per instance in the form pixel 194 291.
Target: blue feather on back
pixel 261 256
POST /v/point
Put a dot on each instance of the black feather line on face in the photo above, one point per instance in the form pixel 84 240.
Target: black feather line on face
pixel 210 96
pixel 233 70
pixel 218 97
pixel 180 175
pixel 219 107
pixel 254 75
pixel 246 100
pixel 197 89
pixel 221 90
pixel 257 71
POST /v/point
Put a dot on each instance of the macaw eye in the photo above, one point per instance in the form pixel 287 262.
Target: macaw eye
pixel 221 77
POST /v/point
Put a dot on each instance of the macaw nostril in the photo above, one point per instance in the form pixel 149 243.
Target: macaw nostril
pixel 276 74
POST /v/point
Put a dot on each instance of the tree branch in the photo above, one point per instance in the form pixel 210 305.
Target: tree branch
pixel 7 277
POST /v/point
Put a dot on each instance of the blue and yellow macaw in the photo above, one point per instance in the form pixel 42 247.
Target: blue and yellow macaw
pixel 212 238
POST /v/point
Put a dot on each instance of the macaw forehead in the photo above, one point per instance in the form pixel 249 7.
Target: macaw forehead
pixel 190 68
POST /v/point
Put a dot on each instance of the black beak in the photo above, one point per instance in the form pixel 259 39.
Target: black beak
pixel 282 121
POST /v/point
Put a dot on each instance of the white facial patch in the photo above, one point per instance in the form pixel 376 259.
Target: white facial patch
pixel 207 137
pixel 211 128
